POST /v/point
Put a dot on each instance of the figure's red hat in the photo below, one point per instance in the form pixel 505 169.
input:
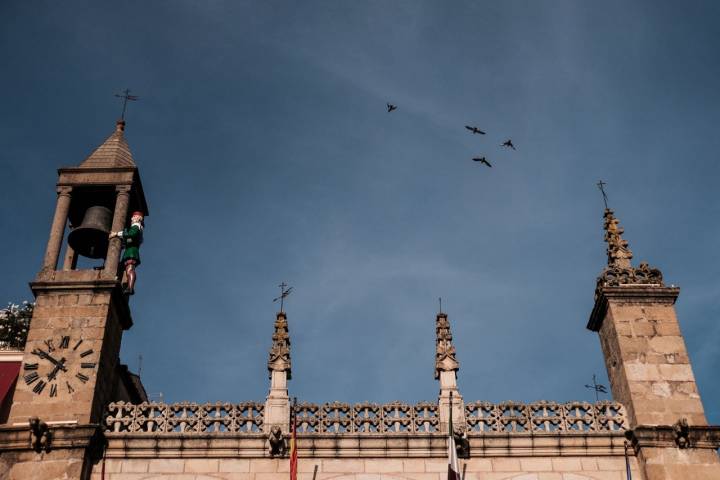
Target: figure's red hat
pixel 138 213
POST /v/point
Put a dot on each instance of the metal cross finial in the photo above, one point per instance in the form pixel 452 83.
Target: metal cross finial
pixel 440 302
pixel 597 387
pixel 284 292
pixel 125 95
pixel 601 186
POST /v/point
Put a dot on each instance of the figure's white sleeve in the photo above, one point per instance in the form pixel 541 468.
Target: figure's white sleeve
pixel 120 234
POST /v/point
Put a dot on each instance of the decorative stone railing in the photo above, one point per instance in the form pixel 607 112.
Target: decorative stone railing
pixel 393 417
pixel 545 417
pixel 185 417
pixel 368 418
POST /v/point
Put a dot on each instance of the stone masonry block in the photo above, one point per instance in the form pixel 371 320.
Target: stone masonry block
pixel 201 465
pixel 536 464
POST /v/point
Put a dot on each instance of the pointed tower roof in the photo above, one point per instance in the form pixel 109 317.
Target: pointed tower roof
pixel 114 152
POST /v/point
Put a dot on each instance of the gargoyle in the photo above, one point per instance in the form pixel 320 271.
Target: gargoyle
pixel 277 441
pixel 40 435
pixel 462 444
pixel 682 433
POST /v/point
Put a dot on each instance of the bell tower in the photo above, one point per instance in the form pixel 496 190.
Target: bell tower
pixel 69 365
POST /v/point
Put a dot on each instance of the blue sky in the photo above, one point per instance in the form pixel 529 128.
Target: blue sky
pixel 267 155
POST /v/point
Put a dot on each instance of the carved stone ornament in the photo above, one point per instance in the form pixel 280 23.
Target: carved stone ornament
pixel 279 358
pixel 277 442
pixel 445 360
pixel 682 433
pixel 619 270
pixel 40 435
pixel 462 443
pixel 618 251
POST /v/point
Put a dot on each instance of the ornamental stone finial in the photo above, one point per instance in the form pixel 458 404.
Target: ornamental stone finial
pixel 619 270
pixel 279 358
pixel 618 252
pixel 445 360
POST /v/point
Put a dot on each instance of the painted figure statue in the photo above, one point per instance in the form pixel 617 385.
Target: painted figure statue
pixel 132 239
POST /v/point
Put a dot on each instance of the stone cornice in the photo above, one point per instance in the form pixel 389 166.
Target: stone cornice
pixel 78 280
pixel 63 437
pixel 124 445
pixel 629 293
pixel 664 436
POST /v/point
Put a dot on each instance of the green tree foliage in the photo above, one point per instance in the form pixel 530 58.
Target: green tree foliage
pixel 14 325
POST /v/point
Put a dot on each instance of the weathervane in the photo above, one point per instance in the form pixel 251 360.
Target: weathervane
pixel 597 387
pixel 601 186
pixel 284 292
pixel 125 95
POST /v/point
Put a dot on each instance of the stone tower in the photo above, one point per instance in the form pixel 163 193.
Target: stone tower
pixel 71 359
pixel 648 366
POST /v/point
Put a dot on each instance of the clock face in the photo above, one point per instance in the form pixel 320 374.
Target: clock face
pixel 60 365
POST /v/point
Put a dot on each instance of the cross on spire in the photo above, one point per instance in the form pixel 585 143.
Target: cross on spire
pixel 284 292
pixel 601 186
pixel 125 95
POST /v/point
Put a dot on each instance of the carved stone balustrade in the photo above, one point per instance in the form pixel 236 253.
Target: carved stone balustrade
pixel 368 418
pixel 545 417
pixel 187 418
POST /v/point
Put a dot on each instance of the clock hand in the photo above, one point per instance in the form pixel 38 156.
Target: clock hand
pixel 44 355
pixel 61 365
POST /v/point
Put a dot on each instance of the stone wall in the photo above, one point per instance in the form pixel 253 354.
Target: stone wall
pixel 517 468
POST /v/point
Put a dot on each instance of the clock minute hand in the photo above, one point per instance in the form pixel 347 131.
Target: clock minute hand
pixel 43 354
pixel 61 365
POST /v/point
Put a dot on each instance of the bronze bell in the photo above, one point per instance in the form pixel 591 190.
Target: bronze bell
pixel 90 239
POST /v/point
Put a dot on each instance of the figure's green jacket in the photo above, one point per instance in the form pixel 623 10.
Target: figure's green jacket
pixel 132 238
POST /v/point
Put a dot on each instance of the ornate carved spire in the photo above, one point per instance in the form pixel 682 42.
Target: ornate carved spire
pixel 279 360
pixel 618 252
pixel 619 270
pixel 445 360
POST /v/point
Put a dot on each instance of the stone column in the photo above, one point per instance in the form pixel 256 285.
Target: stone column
pixel 57 231
pixel 112 259
pixel 70 261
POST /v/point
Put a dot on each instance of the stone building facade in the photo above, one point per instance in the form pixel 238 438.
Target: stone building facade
pixel 76 413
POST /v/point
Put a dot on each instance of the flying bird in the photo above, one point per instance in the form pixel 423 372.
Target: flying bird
pixel 508 144
pixel 482 160
pixel 391 107
pixel 474 130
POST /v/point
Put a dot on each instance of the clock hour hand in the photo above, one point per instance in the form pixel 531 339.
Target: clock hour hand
pixel 60 365
pixel 44 355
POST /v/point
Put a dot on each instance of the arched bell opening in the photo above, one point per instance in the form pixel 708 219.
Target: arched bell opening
pixel 89 224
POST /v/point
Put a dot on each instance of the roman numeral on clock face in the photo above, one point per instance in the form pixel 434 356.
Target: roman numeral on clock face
pixel 70 388
pixel 87 365
pixel 39 387
pixel 53 390
pixel 50 346
pixel 65 342
pixel 31 377
pixel 31 366
pixel 83 378
pixel 86 353
pixel 77 344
